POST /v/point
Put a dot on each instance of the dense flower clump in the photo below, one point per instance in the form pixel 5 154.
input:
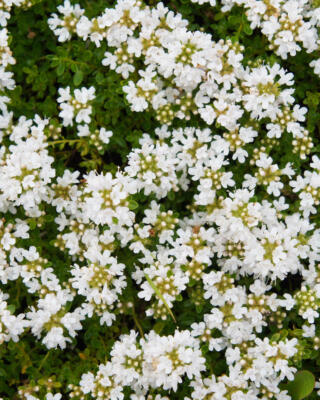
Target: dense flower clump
pixel 198 257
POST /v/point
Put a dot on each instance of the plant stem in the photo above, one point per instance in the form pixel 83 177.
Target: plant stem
pixel 137 322
pixel 43 360
pixel 53 143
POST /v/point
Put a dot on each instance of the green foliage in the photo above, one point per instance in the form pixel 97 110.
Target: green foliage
pixel 302 385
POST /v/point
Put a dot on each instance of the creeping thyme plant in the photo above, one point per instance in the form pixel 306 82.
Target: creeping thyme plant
pixel 159 197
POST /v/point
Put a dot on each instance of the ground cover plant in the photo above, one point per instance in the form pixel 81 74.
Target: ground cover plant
pixel 159 194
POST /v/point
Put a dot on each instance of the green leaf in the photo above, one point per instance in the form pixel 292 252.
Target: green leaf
pixel 171 195
pixel 32 224
pixel 158 327
pixel 60 69
pixel 179 297
pixel 234 19
pixel 78 77
pixel 302 385
pixel 312 100
pixel 11 308
pixel 133 205
pixel 159 294
pixel 219 16
pixel 247 30
pixel 74 67
pixel 199 309
pixel 99 78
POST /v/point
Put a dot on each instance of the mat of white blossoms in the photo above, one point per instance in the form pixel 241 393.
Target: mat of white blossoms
pixel 242 252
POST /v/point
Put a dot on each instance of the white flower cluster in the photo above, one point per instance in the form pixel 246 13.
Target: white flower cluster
pixel 65 26
pixel 5 9
pixel 289 25
pixel 6 59
pixel 152 362
pixel 26 167
pixel 11 326
pixel 98 137
pixel 186 73
pixel 76 106
pixel 49 396
pixel 223 250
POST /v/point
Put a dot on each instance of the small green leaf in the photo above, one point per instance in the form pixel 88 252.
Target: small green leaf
pixel 133 205
pixel 32 224
pixel 199 309
pixel 179 297
pixel 171 196
pixel 11 308
pixel 159 294
pixel 73 67
pixel 60 69
pixel 158 327
pixel 78 77
pixel 49 218
pixel 234 19
pixel 247 30
pixel 99 78
pixel 302 385
pixel 219 16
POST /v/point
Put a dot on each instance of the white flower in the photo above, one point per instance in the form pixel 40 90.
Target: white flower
pixel 77 106
pixel 105 135
pixel 50 396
